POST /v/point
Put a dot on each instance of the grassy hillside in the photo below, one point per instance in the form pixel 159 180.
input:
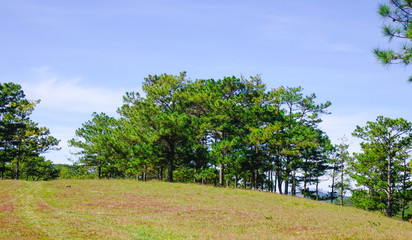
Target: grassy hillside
pixel 126 209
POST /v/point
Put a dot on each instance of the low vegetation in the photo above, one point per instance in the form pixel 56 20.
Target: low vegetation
pixel 130 209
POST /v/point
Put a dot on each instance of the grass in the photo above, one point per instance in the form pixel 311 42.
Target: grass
pixel 127 209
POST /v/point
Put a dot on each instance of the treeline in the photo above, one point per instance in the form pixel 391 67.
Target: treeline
pixel 231 132
pixel 235 132
pixel 22 140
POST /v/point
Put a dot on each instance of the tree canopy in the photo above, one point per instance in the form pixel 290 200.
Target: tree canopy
pixel 231 131
pixel 22 141
pixel 382 167
pixel 398 16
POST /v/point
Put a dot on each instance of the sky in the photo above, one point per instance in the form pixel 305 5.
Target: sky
pixel 80 57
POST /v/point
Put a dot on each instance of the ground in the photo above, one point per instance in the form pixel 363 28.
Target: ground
pixel 128 209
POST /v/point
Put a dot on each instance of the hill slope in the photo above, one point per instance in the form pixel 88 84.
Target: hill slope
pixel 126 209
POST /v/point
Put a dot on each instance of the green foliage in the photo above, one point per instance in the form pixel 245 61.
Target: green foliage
pixel 96 143
pixel 22 140
pixel 383 166
pixel 231 131
pixel 398 15
pixel 339 172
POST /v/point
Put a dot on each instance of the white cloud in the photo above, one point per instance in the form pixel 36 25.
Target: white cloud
pixel 72 97
pixel 66 104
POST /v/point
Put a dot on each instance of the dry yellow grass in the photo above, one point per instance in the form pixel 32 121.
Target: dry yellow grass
pixel 127 209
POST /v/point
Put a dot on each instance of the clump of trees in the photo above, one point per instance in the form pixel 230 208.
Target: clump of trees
pixel 22 141
pixel 231 131
pixel 235 132
pixel 383 167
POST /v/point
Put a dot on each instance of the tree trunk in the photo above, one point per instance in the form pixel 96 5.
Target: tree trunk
pixel 160 176
pixel 287 173
pixel 255 179
pixel 333 182
pixel 403 188
pixel 389 189
pixel 270 181
pixel 16 177
pixel 317 182
pixel 403 209
pixel 341 180
pixel 3 168
pixel 304 184
pixel 170 161
pixel 235 181
pixel 221 175
pixel 286 186
pixel 293 188
pixel 280 183
pixel 99 169
pixel 215 178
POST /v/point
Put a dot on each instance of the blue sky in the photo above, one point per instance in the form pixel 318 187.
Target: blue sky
pixel 80 57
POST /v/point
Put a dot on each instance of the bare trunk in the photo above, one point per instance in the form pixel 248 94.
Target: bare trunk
pixel 255 179
pixel 293 182
pixel 235 181
pixel 99 170
pixel 280 183
pixel 287 173
pixel 403 209
pixel 286 186
pixel 317 181
pixel 341 180
pixel 270 187
pixel 304 184
pixel 389 190
pixel 333 183
pixel 17 169
pixel 221 175
pixel 170 161
pixel 404 188
pixel 3 168
pixel 160 176
pixel 215 178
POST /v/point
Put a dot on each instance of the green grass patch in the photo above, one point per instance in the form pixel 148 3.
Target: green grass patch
pixel 128 209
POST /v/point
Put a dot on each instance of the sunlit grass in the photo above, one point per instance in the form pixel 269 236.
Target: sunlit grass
pixel 127 209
